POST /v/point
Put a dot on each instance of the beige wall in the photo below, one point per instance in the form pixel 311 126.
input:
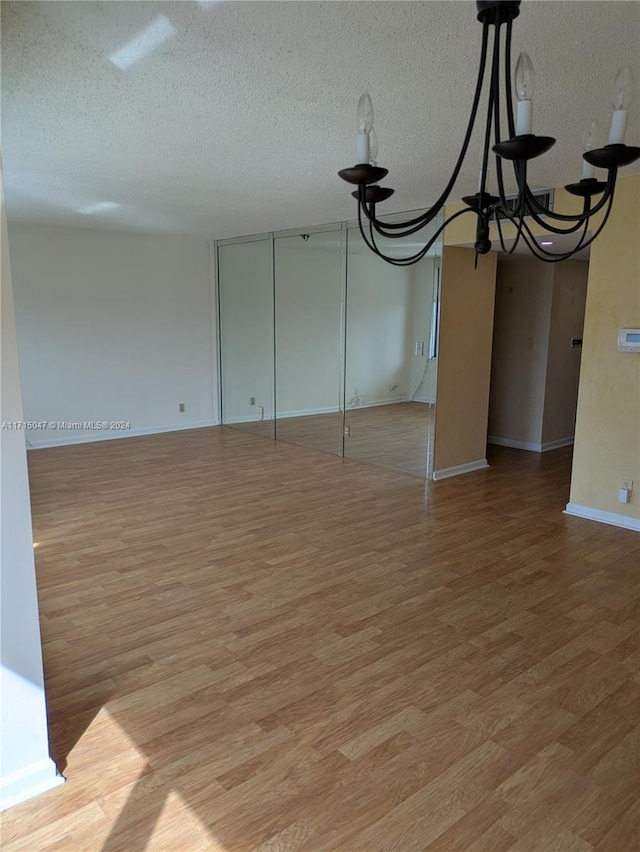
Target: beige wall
pixel 464 363
pixel 524 292
pixel 563 360
pixel 534 370
pixel 607 446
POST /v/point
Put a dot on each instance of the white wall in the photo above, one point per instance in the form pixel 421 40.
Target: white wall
pixel 25 766
pixel 112 327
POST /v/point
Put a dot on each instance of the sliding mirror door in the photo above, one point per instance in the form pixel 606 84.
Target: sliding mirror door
pixel 308 314
pixel 245 286
pixel 391 356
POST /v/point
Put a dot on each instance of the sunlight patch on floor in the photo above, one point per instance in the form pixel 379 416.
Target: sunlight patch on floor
pixel 178 827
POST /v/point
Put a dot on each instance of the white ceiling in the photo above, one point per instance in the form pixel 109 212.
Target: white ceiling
pixel 238 122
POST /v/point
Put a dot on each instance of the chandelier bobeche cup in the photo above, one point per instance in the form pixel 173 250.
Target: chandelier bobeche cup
pixel 521 146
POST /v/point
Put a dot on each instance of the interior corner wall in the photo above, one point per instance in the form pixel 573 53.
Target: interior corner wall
pixel 25 766
pixel 464 361
pixel 524 293
pixel 563 359
pixel 607 441
pixel 112 328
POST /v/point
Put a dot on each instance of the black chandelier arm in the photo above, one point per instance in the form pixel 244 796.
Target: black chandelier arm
pixel 430 215
pixel 593 236
pixel 560 217
pixel 536 209
pixel 379 226
pixel 507 80
pixel 408 261
pixel 532 203
pixel 371 243
pixel 518 222
pixel 490 111
pixel 549 257
pixel 586 214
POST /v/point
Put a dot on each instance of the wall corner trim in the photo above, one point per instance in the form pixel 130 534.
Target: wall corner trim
pixel 28 782
pixel 457 470
pixel 612 518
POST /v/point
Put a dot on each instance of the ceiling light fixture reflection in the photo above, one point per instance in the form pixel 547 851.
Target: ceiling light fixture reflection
pixel 546 243
pixel 145 42
pixel 98 207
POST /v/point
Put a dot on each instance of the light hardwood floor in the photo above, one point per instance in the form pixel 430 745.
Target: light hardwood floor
pixel 395 436
pixel 252 645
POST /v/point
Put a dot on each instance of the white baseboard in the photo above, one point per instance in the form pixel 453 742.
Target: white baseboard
pixel 310 412
pixel 106 435
pixel 374 403
pixel 602 517
pixel 515 445
pixel 467 467
pixel 422 399
pixel 555 445
pixel 29 782
pixel 529 445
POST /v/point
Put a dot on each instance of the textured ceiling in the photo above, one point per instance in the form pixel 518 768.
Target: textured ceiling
pixel 239 121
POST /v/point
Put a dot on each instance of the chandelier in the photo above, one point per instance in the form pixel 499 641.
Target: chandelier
pixel 520 147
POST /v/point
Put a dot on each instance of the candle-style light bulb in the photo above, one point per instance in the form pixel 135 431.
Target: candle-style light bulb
pixel 622 97
pixel 373 148
pixel 591 140
pixel 525 84
pixel 364 114
pixel 364 120
pixel 623 88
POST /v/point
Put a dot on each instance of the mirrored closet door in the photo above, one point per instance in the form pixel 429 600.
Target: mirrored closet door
pixel 245 288
pixel 391 356
pixel 308 315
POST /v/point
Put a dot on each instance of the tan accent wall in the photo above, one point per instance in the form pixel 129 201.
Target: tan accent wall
pixel 607 444
pixel 535 370
pixel 464 363
pixel 524 291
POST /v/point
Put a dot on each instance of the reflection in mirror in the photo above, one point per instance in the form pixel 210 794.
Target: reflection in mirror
pixel 308 284
pixel 246 335
pixel 391 358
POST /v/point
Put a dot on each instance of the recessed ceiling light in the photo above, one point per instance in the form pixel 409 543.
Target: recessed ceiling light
pixel 144 43
pixel 98 207
pixel 546 243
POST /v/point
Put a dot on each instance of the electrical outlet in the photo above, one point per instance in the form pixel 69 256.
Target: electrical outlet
pixel 628 484
pixel 392 386
pixel 261 412
pixel 181 408
pixel 252 400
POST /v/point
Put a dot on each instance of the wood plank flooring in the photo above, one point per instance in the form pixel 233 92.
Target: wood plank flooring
pixel 249 645
pixel 396 436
